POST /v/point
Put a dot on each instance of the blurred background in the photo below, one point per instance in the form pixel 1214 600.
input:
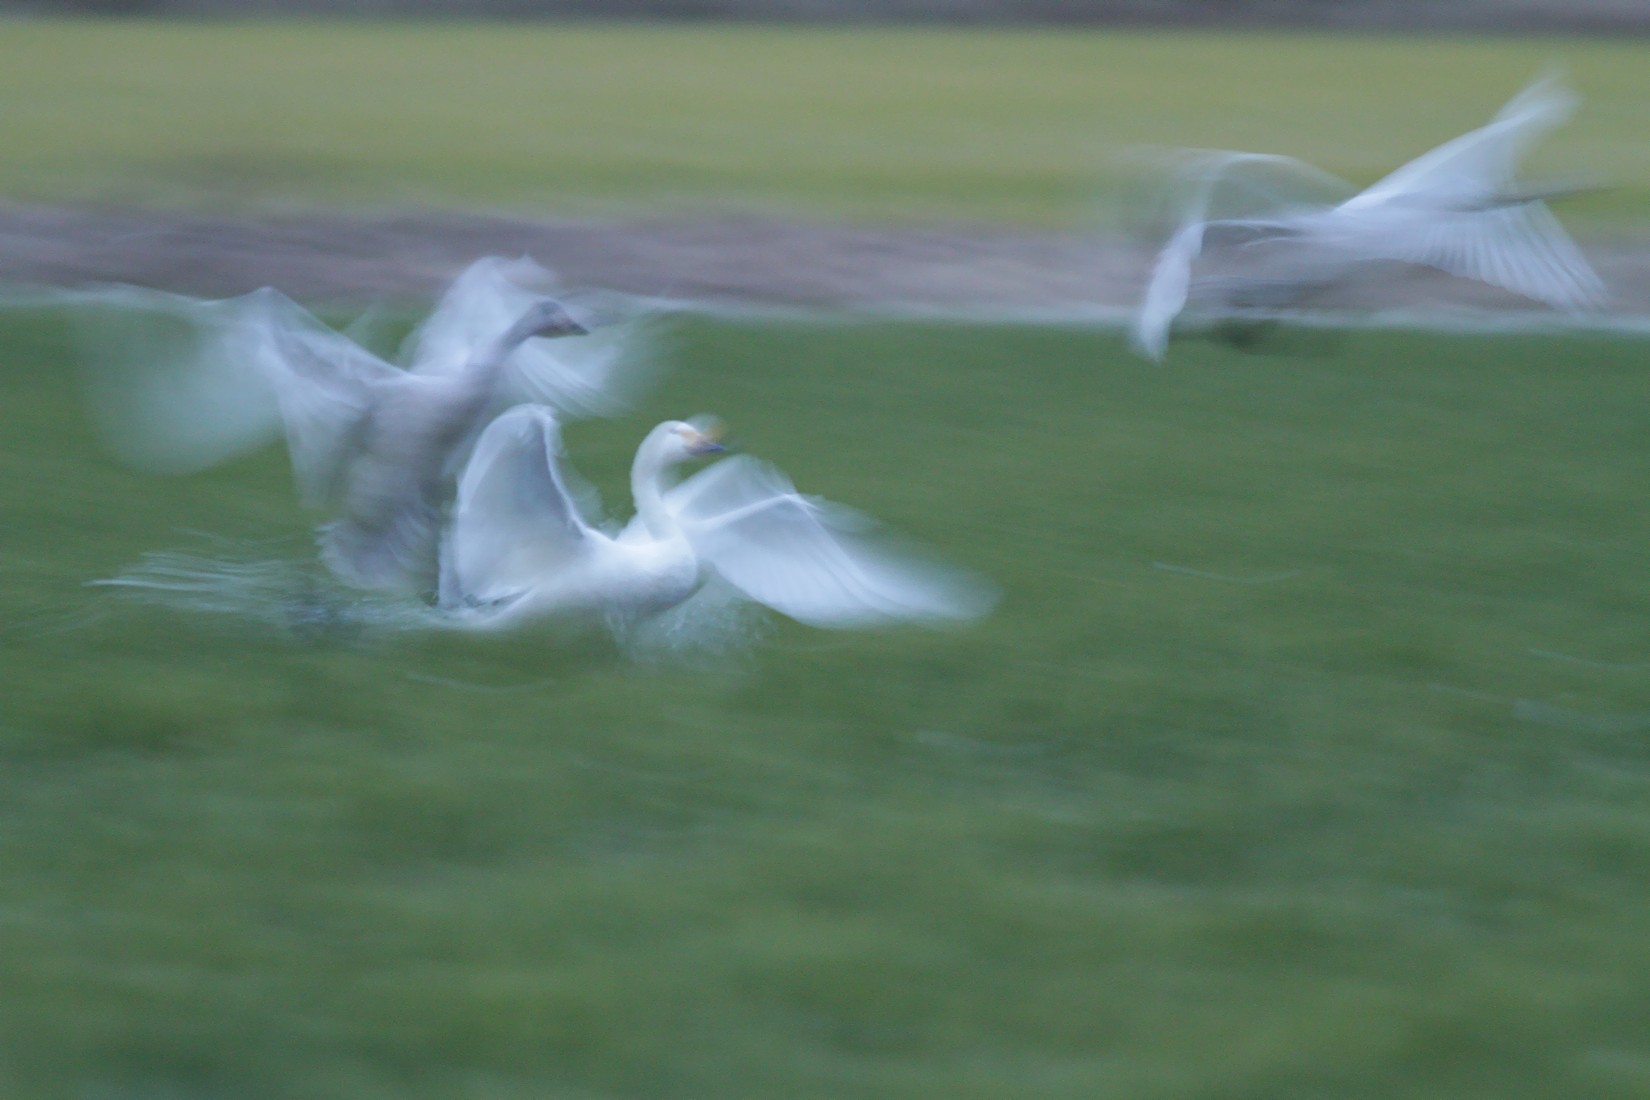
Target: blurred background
pixel 828 154
pixel 1494 15
pixel 1307 754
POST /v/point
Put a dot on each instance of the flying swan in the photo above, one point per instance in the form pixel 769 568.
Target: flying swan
pixel 1457 208
pixel 520 549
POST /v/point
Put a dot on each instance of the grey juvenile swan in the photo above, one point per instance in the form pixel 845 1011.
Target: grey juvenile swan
pixel 376 445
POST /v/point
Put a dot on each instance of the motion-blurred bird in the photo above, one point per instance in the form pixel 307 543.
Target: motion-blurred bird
pixel 376 445
pixel 1457 208
pixel 519 548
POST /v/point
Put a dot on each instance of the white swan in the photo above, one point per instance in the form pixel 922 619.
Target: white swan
pixel 377 445
pixel 1457 208
pixel 519 548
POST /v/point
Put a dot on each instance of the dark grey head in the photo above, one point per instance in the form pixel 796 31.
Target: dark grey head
pixel 546 317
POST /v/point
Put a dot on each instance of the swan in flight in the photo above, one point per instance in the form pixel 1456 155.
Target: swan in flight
pixel 1457 208
pixel 520 547
pixel 377 445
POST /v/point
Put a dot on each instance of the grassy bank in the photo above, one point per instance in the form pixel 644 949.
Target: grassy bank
pixel 881 124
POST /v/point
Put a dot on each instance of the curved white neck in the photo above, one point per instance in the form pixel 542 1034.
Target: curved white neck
pixel 647 488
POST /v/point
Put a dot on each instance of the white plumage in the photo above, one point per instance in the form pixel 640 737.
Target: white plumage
pixel 1457 208
pixel 520 549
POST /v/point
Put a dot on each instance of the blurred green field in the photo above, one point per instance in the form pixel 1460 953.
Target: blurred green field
pixel 1306 756
pixel 893 125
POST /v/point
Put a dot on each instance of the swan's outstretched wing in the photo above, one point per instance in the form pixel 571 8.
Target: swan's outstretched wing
pixel 1228 185
pixel 1221 194
pixel 325 385
pixel 168 378
pixel 597 374
pixel 590 375
pixel 1166 291
pixel 1471 171
pixel 1459 209
pixel 516 521
pixel 1521 248
pixel 818 563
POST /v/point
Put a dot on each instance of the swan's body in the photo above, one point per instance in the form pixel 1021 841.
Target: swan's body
pixel 520 547
pixel 375 444
pixel 520 550
pixel 1457 208
pixel 378 446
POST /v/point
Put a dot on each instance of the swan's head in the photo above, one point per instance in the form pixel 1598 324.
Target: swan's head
pixel 547 317
pixel 680 440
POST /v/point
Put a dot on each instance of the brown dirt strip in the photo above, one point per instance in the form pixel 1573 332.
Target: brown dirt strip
pixel 358 258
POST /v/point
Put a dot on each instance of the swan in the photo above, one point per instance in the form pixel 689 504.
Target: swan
pixel 1457 208
pixel 520 548
pixel 375 444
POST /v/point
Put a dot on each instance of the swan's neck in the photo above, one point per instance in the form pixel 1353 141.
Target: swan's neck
pixel 647 488
pixel 486 365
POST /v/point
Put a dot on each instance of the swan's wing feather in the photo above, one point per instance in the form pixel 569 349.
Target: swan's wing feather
pixel 597 374
pixel 816 562
pixel 477 307
pixel 1225 185
pixel 1476 166
pixel 724 487
pixel 1222 196
pixel 325 386
pixel 166 377
pixel 1521 248
pixel 515 520
pixel 1166 291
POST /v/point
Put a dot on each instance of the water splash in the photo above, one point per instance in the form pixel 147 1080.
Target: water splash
pixel 714 625
pixel 293 595
pixel 251 581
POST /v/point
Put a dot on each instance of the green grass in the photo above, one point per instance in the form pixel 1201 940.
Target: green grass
pixel 888 125
pixel 1304 757
pixel 1374 825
